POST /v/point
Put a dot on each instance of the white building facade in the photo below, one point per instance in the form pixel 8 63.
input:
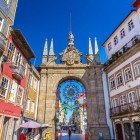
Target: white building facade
pixel 123 75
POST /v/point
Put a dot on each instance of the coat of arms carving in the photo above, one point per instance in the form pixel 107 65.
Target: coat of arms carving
pixel 71 56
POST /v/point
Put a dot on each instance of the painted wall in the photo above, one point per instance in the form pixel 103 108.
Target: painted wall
pixel 10 104
pixel 126 86
pixel 135 17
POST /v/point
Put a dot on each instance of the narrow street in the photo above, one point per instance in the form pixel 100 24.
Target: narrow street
pixel 73 137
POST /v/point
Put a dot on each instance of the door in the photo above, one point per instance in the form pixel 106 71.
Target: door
pixel 5 128
pixel 1 125
pixel 137 130
pixel 119 133
pixel 128 131
pixel 13 129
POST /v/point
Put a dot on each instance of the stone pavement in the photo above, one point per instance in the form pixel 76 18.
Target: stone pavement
pixel 73 137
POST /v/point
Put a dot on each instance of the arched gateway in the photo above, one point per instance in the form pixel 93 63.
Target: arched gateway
pixel 71 101
pixel 63 84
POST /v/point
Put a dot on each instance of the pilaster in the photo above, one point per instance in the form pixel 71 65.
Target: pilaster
pixel 42 97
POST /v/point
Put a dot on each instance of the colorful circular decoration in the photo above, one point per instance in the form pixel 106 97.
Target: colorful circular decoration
pixel 69 91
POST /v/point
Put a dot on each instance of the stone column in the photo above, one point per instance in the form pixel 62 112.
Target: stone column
pixel 42 97
pixel 50 104
pixel 98 125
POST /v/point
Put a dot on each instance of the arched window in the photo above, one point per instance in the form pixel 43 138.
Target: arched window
pixel 132 97
pixel 137 68
pixel 127 74
pixel 133 104
pixel 115 105
pixel 123 102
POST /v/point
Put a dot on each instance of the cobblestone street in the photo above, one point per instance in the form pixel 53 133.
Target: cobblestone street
pixel 73 137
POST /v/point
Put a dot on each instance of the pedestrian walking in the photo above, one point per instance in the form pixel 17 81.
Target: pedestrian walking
pixel 22 136
pixel 69 132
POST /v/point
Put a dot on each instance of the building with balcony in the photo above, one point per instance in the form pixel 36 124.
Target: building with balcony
pixel 7 16
pixel 30 110
pixel 13 83
pixel 123 76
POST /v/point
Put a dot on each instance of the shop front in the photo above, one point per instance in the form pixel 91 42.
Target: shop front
pixel 10 115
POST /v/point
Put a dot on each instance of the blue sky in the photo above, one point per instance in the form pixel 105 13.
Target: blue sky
pixel 41 19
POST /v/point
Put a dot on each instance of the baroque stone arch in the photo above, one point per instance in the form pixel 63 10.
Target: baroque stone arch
pixel 71 67
pixel 78 78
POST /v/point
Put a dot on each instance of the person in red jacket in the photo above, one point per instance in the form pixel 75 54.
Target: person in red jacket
pixel 22 136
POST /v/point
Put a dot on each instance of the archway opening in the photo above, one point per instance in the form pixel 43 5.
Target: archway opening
pixel 71 106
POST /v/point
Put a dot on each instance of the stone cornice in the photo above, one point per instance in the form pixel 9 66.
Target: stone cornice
pixel 63 66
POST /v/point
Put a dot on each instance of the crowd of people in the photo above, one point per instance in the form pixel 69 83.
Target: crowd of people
pixel 29 134
pixel 34 134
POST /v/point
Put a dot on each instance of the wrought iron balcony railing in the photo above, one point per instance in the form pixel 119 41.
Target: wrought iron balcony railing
pixel 17 71
pixel 2 42
pixel 124 49
pixel 125 109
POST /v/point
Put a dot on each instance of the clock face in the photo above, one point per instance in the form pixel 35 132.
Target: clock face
pixel 5 5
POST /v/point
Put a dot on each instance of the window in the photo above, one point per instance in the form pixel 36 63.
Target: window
pixel 115 40
pixel 115 105
pixel 132 100
pixel 4 86
pixel 1 23
pixel 13 91
pixel 132 97
pixel 30 80
pixel 127 74
pixel 109 46
pixel 123 102
pixel 116 102
pixel 11 51
pixel 112 83
pixel 119 79
pixel 19 95
pixel 137 68
pixel 35 84
pixel 18 58
pixel 122 33
pixel 28 104
pixel 23 67
pixel 32 106
pixel 130 25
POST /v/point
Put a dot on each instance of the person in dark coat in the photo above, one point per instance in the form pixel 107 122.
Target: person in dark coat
pixel 69 132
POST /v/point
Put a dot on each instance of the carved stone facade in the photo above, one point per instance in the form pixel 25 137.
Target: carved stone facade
pixel 72 68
